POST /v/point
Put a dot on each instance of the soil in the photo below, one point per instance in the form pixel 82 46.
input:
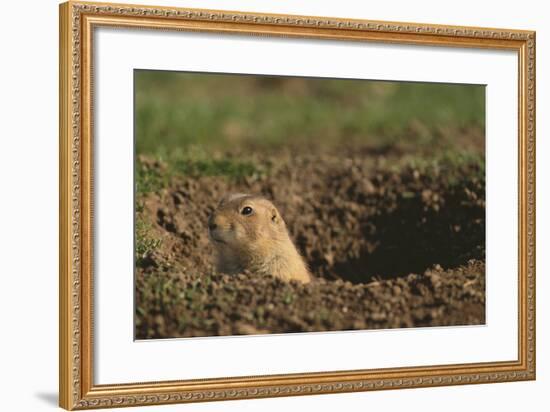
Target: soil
pixel 390 246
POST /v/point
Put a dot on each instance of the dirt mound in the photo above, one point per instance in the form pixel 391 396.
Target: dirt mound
pixel 363 228
pixel 190 304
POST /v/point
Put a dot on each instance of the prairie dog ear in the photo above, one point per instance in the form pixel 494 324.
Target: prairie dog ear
pixel 275 216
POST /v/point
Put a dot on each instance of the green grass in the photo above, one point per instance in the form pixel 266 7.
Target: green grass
pixel 453 165
pixel 145 242
pixel 194 163
pixel 178 111
pixel 149 179
pixel 233 169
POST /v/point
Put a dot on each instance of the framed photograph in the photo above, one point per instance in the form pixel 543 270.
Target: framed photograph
pixel 257 205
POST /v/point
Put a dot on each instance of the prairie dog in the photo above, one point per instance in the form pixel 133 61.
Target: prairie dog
pixel 248 233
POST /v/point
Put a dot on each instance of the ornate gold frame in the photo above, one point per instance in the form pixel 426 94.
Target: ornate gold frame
pixel 77 22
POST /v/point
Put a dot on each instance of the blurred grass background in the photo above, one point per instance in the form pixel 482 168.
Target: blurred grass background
pixel 176 111
pixel 218 124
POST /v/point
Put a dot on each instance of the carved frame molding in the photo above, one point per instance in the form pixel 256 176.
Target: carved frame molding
pixel 77 20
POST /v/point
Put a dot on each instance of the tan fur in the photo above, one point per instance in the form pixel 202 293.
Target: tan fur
pixel 258 242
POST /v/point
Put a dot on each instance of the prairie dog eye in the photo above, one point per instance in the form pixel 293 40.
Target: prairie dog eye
pixel 247 210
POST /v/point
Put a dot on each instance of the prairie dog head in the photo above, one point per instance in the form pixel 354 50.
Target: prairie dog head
pixel 245 223
pixel 248 233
